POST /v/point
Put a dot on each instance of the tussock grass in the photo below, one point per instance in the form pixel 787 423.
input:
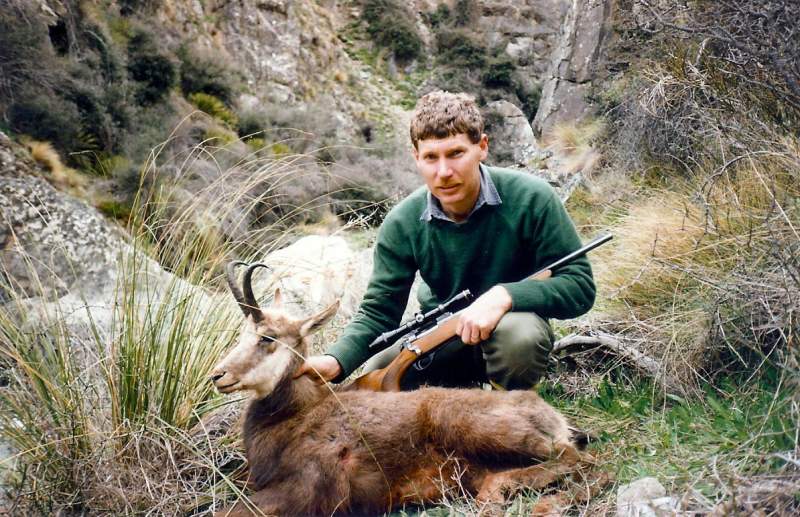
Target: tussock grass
pixel 576 145
pixel 122 419
pixel 46 155
pixel 702 274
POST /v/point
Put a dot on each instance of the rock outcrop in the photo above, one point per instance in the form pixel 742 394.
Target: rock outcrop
pixel 50 243
pixel 511 138
pixel 529 29
pixel 575 63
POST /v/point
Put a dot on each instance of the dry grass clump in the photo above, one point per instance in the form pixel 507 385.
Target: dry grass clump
pixel 705 277
pixel 121 419
pixel 646 284
pixel 576 145
pixel 46 155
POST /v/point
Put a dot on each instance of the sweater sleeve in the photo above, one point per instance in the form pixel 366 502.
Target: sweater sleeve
pixel 570 292
pixel 384 301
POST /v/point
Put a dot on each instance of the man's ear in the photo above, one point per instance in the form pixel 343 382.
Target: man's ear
pixel 484 145
pixel 415 152
pixel 317 321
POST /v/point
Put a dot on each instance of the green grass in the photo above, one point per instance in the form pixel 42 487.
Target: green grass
pixel 731 430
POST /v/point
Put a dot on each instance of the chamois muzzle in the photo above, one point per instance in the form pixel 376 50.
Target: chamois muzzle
pixel 244 297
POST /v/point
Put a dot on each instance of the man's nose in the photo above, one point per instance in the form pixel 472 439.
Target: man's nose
pixel 443 168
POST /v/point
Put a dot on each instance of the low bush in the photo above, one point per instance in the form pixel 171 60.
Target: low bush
pixel 439 16
pixel 392 26
pixel 214 107
pixel 47 118
pixel 464 12
pixel 208 73
pixel 459 48
pixel 499 72
pixel 252 124
pixel 25 57
pixel 154 70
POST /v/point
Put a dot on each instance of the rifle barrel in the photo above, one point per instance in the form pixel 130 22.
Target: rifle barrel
pixel 577 253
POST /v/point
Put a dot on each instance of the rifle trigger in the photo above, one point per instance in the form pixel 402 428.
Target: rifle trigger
pixel 409 345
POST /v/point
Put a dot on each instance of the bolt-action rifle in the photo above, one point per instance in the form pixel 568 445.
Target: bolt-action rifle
pixel 425 332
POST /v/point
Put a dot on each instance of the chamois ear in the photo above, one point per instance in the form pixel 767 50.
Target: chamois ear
pixel 317 321
pixel 277 298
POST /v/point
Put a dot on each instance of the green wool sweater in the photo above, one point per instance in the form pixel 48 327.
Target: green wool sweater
pixel 498 244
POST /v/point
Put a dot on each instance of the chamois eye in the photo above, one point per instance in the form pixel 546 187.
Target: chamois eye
pixel 267 341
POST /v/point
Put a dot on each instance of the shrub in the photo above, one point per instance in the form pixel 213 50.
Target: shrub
pixel 214 107
pixel 391 27
pixel 252 124
pixel 205 72
pixel 529 98
pixel 459 48
pixel 156 72
pixel 498 73
pixel 24 51
pixel 464 12
pixel 129 7
pixel 47 118
pixel 438 17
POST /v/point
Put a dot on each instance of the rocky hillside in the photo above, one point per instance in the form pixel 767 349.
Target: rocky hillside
pixel 146 143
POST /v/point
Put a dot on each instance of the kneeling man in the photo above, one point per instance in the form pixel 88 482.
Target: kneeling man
pixel 471 227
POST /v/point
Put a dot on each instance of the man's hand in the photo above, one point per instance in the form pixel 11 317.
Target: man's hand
pixel 479 320
pixel 321 368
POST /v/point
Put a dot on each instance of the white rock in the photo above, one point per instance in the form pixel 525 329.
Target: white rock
pixel 636 499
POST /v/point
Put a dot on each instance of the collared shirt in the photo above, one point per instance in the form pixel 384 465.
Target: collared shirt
pixel 487 195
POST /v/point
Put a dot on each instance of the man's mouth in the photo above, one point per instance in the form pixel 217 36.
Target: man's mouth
pixel 448 188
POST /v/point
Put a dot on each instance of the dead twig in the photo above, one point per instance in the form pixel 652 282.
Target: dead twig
pixel 648 365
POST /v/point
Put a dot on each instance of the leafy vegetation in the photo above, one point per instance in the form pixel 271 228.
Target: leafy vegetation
pixel 464 63
pixel 391 26
pixel 155 71
pixel 214 107
pixel 207 73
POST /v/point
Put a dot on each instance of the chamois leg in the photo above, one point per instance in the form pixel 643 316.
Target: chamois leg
pixel 586 483
pixel 580 491
pixel 515 425
pixel 498 486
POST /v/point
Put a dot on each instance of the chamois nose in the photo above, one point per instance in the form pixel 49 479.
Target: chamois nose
pixel 217 376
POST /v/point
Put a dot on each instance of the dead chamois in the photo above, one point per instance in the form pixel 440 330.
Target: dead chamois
pixel 314 451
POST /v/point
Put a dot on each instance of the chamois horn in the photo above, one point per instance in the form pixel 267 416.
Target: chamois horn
pixel 249 297
pixel 233 285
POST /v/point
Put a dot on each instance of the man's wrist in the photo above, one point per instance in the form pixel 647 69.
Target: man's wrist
pixel 340 372
pixel 503 297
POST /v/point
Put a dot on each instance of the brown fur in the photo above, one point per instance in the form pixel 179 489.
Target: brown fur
pixel 313 451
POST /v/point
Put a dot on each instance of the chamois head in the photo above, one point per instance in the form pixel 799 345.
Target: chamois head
pixel 271 345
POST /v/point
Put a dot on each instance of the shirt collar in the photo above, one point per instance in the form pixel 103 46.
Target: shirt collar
pixel 487 195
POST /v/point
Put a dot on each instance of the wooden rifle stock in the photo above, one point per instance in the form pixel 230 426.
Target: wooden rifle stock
pixel 388 378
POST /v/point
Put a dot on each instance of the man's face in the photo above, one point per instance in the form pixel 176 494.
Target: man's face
pixel 450 169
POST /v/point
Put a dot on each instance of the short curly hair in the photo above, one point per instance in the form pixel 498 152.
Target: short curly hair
pixel 441 114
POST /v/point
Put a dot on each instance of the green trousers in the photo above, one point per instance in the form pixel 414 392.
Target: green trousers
pixel 514 357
